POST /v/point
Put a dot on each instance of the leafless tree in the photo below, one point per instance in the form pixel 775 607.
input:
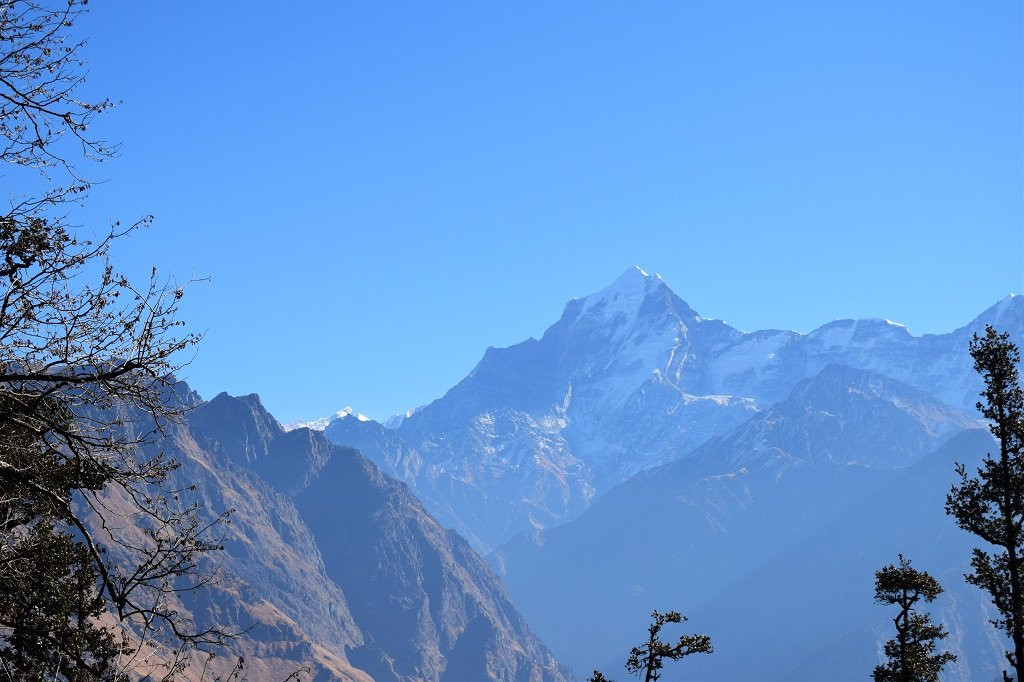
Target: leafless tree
pixel 90 525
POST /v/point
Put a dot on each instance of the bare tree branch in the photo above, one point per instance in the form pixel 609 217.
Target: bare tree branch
pixel 89 523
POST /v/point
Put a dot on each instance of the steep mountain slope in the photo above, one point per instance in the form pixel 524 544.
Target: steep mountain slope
pixel 332 565
pixel 272 585
pixel 738 510
pixel 628 378
pixel 809 610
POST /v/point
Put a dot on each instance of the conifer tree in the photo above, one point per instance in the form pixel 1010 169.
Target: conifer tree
pixel 991 503
pixel 911 655
pixel 649 657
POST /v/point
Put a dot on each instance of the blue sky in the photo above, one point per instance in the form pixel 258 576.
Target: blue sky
pixel 378 192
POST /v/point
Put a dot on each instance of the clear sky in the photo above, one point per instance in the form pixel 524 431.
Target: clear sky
pixel 379 191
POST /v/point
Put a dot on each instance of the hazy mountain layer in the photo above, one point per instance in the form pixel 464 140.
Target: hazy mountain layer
pixel 768 538
pixel 628 378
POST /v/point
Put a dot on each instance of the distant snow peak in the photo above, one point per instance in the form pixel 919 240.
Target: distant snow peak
pixel 1007 303
pixel 348 412
pixel 395 420
pixel 624 296
pixel 634 275
pixel 318 424
pixel 646 275
pixel 633 278
pixel 321 423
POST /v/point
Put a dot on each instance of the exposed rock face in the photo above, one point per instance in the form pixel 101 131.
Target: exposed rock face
pixel 628 378
pixel 415 583
pixel 332 565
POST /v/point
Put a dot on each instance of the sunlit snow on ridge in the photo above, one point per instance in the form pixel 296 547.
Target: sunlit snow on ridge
pixel 321 423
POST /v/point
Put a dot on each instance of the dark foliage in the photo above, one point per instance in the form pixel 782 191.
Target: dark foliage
pixel 911 655
pixel 650 657
pixel 94 546
pixel 991 504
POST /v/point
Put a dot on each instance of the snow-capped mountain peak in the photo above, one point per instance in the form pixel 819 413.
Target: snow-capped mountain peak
pixel 320 423
pixel 630 377
pixel 623 297
pixel 1005 311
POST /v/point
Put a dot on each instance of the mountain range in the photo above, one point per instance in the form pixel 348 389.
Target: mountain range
pixel 768 538
pixel 628 378
pixel 331 568
pixel 638 456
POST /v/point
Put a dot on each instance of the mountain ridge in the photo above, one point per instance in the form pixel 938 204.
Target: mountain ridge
pixel 626 379
pixel 331 565
pixel 683 534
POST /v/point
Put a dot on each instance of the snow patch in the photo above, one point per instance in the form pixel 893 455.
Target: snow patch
pixel 321 423
pixel 623 297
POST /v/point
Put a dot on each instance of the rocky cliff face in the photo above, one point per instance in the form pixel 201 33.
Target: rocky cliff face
pixel 331 565
pixel 628 378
